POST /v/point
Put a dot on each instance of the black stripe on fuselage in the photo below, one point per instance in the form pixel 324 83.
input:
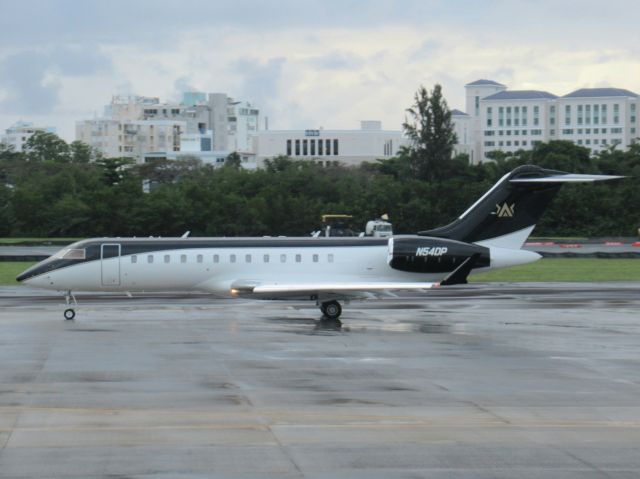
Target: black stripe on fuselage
pixel 131 246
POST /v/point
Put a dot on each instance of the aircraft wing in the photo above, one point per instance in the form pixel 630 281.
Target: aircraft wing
pixel 337 290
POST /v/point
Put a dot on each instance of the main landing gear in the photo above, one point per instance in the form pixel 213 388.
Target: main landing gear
pixel 70 312
pixel 331 310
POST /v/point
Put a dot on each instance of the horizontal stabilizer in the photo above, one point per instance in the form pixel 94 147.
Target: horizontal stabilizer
pixel 567 178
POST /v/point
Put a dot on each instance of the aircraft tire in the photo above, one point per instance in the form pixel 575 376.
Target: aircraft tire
pixel 331 309
pixel 69 314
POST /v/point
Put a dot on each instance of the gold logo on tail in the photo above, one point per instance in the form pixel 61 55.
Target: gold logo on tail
pixel 505 210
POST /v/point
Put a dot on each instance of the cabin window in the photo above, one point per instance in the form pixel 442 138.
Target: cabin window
pixel 183 258
pixel 315 258
pixel 232 258
pixel 247 258
pixel 330 257
pixel 266 258
pixel 298 258
pixel 134 259
pixel 167 258
pixel 150 258
pixel 216 258
pixel 199 258
pixel 283 258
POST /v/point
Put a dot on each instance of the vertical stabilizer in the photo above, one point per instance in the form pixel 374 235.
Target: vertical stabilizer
pixel 507 214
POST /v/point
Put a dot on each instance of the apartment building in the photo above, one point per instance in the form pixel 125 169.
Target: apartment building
pixel 510 120
pixel 136 126
pixel 17 134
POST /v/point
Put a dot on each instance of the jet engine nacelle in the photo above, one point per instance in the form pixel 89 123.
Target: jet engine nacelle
pixel 420 254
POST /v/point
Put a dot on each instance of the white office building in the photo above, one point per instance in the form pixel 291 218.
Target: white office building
pixel 17 134
pixel 349 147
pixel 510 120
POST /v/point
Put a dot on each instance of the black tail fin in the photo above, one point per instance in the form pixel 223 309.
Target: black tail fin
pixel 507 213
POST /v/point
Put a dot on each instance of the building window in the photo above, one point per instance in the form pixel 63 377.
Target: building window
pixel 183 258
pixel 283 258
pixel 327 144
pixel 315 258
pixel 265 258
pixel 298 258
pixel 167 258
pixel 305 151
pixel 501 116
pixel 134 259
pixel 330 258
pixel 247 258
pixel 536 115
pixel 216 258
pixel 489 143
pixel 320 147
pixel 312 147
pixel 150 259
pixel 524 116
pixel 477 105
pixel 568 131
pixel 335 147
pixel 288 147
pixel 508 116
pixel 199 258
pixel 232 258
pixel 297 147
pixel 567 114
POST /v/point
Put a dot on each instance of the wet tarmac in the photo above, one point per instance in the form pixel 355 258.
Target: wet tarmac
pixel 498 381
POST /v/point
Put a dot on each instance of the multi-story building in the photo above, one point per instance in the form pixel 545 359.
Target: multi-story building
pixel 510 120
pixel 17 134
pixel 136 126
pixel 130 138
pixel 350 147
pixel 233 123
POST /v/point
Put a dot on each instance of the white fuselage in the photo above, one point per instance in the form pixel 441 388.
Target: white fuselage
pixel 215 269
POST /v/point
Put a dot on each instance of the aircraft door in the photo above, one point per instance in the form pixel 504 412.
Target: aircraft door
pixel 110 262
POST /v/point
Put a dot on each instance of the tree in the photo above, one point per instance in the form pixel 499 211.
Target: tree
pixel 233 161
pixel 43 146
pixel 81 152
pixel 114 169
pixel 430 130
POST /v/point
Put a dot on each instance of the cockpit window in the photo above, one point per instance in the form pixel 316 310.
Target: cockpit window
pixel 71 254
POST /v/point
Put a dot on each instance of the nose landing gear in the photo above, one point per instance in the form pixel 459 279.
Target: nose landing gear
pixel 70 313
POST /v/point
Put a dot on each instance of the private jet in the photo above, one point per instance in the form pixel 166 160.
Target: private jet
pixel 326 270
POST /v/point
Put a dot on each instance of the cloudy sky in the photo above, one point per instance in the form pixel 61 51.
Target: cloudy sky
pixel 305 64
